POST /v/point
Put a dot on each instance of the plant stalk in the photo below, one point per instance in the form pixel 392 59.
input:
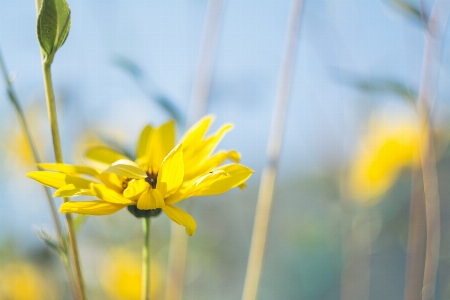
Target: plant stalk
pixel 62 242
pixel 51 108
pixel 145 291
pixel 430 70
pixel 416 239
pixel 197 108
pixel 267 184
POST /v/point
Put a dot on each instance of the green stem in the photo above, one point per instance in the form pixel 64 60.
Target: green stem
pixel 12 96
pixel 145 292
pixel 62 242
pixel 51 107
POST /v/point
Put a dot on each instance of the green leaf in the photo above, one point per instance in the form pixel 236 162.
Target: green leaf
pixel 147 87
pixel 389 86
pixel 53 25
pixel 50 241
pixel 408 10
pixel 380 85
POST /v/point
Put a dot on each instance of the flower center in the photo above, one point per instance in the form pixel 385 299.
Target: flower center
pixel 125 183
pixel 152 179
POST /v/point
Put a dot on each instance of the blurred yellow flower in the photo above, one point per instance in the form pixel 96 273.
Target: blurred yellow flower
pixel 120 276
pixel 391 143
pixel 21 281
pixel 162 175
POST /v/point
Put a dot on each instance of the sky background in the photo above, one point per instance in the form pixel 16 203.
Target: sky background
pixel 338 40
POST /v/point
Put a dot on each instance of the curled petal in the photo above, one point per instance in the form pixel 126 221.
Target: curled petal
pixel 126 168
pixel 135 189
pixel 110 196
pixel 71 190
pixel 210 163
pixel 112 181
pixel 151 199
pixel 237 175
pixel 216 182
pixel 181 217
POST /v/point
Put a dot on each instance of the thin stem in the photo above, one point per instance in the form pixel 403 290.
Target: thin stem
pixel 51 107
pixel 145 292
pixel 430 71
pixel 62 242
pixel 416 239
pixel 26 131
pixel 357 250
pixel 267 184
pixel 197 108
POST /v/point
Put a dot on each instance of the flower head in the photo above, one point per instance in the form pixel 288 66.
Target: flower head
pixel 391 144
pixel 120 275
pixel 162 174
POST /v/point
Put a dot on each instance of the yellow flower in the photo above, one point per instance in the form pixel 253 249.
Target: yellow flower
pixel 162 175
pixel 20 281
pixel 120 276
pixel 391 144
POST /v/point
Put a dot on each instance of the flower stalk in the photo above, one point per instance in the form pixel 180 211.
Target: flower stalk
pixel 178 245
pixel 62 241
pixel 267 183
pixel 430 70
pixel 51 108
pixel 145 293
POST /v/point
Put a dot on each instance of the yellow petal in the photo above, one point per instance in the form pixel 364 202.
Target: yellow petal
pixel 70 169
pixel 198 152
pixel 110 196
pixel 135 189
pixel 151 199
pixel 90 207
pixel 126 168
pixel 237 175
pixel 211 163
pixel 191 187
pixel 217 182
pixel 104 155
pixel 112 181
pixel 71 190
pixel 181 217
pixel 58 180
pixel 160 142
pixel 143 141
pixel 212 142
pixel 171 174
pixel 197 131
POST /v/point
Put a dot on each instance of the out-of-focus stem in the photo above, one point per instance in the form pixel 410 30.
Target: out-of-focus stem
pixel 12 96
pixel 205 65
pixel 267 184
pixel 416 240
pixel 357 250
pixel 62 242
pixel 145 290
pixel 51 107
pixel 430 71
pixel 198 104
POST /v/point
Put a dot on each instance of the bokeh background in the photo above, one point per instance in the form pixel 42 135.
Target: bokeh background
pixel 357 61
